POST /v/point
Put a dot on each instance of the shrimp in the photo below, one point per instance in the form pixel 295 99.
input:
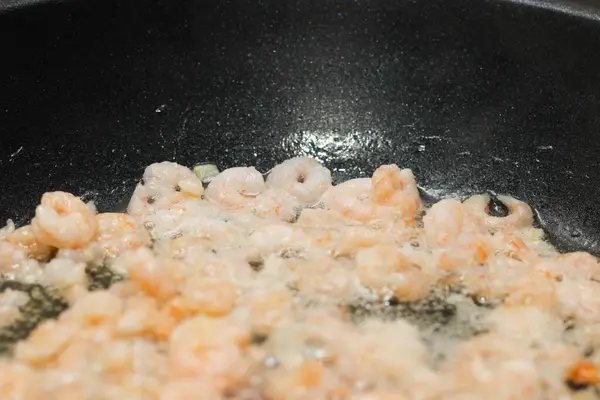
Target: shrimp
pixel 396 188
pixel 164 184
pixel 11 256
pixel 378 396
pixel 119 232
pixel 485 363
pixel 25 238
pixel 580 300
pixel 167 178
pixel 382 268
pixel 445 221
pixel 268 309
pixel 64 221
pixel 151 274
pixel 302 177
pixel 520 214
pixel 67 276
pixel 137 317
pixel 534 290
pixel 212 297
pixel 189 389
pixel 277 203
pixel 47 341
pixel 352 199
pixel 16 382
pixel 96 308
pixel 209 348
pixel 235 188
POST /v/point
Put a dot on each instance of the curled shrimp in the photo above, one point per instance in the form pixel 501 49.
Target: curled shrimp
pixel 302 177
pixel 25 238
pixel 352 199
pixel 276 203
pixel 119 232
pixel 164 184
pixel 208 348
pixel 167 178
pixel 445 221
pixel 519 215
pixel 397 188
pixel 385 269
pixel 235 188
pixel 64 221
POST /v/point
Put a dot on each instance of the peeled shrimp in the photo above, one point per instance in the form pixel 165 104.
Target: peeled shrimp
pixel 383 268
pixel 163 185
pixel 25 238
pixel 11 256
pixel 352 199
pixel 118 232
pixel 276 203
pixel 189 389
pixel 520 214
pixel 397 188
pixel 67 276
pixel 167 178
pixel 151 274
pixel 235 188
pixel 48 340
pixel 209 348
pixel 212 297
pixel 17 382
pixel 302 177
pixel 445 221
pixel 64 221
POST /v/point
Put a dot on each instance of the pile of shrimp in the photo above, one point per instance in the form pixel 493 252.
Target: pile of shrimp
pixel 240 290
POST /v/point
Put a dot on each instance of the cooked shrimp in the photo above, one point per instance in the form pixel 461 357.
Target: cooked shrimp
pixel 16 382
pixel 352 199
pixel 164 184
pixel 235 188
pixel 384 268
pixel 276 203
pixel 302 177
pixel 397 188
pixel 11 256
pixel 378 396
pixel 445 221
pixel 580 300
pixel 151 274
pixel 137 317
pixel 49 339
pixel 209 296
pixel 25 238
pixel 119 232
pixel 64 221
pixel 520 214
pixel 166 178
pixel 96 308
pixel 15 265
pixel 189 389
pixel 208 348
pixel 67 276
pixel 268 308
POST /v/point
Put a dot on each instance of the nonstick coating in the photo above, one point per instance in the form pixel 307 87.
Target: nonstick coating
pixel 472 95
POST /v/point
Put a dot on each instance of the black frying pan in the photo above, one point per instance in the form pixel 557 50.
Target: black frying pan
pixel 473 95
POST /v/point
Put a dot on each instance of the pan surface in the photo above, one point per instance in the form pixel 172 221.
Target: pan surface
pixel 472 95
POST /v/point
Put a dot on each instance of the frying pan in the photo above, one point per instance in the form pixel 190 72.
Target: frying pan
pixel 473 95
